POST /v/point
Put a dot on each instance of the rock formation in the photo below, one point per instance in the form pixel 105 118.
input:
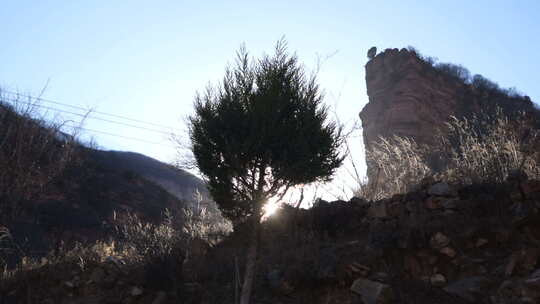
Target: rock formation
pixel 411 96
pixel 403 99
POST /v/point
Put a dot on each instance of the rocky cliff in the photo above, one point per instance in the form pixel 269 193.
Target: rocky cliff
pixel 404 99
pixel 410 95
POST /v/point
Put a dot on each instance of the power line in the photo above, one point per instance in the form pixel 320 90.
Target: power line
pixel 81 108
pixel 88 116
pixel 98 118
pixel 15 100
pixel 122 136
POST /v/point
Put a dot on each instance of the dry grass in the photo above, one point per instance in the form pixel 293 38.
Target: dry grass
pixel 159 248
pixel 400 164
pixel 34 151
pixel 485 148
pixel 488 148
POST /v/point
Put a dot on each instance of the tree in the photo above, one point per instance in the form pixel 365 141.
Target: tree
pixel 261 132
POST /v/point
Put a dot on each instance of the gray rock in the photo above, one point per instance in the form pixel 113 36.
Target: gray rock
pixel 136 291
pixel 448 251
pixel 535 274
pixel 69 284
pixel 359 201
pixel 160 298
pixel 441 189
pixel 114 260
pixel 327 264
pixel 470 288
pixel 438 241
pixel 449 204
pixel 481 242
pixel 437 280
pixel 372 292
pixel 380 277
pixel 383 234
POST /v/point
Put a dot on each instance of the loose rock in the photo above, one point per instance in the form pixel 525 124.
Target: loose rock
pixel 441 189
pixel 437 280
pixel 469 288
pixel 372 292
pixel 439 241
pixel 136 291
pixel 448 251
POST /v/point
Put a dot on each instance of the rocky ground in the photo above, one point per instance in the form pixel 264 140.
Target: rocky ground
pixel 438 244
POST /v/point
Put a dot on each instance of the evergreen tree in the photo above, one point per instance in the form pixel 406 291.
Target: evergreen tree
pixel 261 132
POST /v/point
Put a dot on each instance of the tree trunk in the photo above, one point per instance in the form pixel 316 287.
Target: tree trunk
pixel 251 261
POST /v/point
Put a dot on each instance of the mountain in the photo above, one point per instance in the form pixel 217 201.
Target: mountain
pixel 80 204
pixel 180 183
pixel 54 190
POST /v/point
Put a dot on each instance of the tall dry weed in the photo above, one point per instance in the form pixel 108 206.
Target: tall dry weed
pixel 487 148
pixel 400 163
pixel 34 151
pixel 484 148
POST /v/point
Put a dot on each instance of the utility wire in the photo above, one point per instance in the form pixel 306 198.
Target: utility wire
pixel 87 116
pixel 81 108
pixel 122 136
pixel 15 100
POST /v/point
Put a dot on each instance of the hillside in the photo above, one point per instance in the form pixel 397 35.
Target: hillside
pixel 60 192
pixel 178 182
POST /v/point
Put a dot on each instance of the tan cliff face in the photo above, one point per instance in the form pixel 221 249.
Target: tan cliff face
pixel 406 98
pixel 411 97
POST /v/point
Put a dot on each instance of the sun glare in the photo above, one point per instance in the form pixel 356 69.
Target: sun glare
pixel 270 207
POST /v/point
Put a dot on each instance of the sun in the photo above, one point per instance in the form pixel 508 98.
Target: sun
pixel 271 206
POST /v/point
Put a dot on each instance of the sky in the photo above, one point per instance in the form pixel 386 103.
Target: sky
pixel 145 60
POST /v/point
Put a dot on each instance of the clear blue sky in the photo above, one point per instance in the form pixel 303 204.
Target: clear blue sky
pixel 146 60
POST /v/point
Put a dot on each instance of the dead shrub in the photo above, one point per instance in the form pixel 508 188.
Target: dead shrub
pixel 487 148
pixel 33 152
pixel 483 149
pixel 400 163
